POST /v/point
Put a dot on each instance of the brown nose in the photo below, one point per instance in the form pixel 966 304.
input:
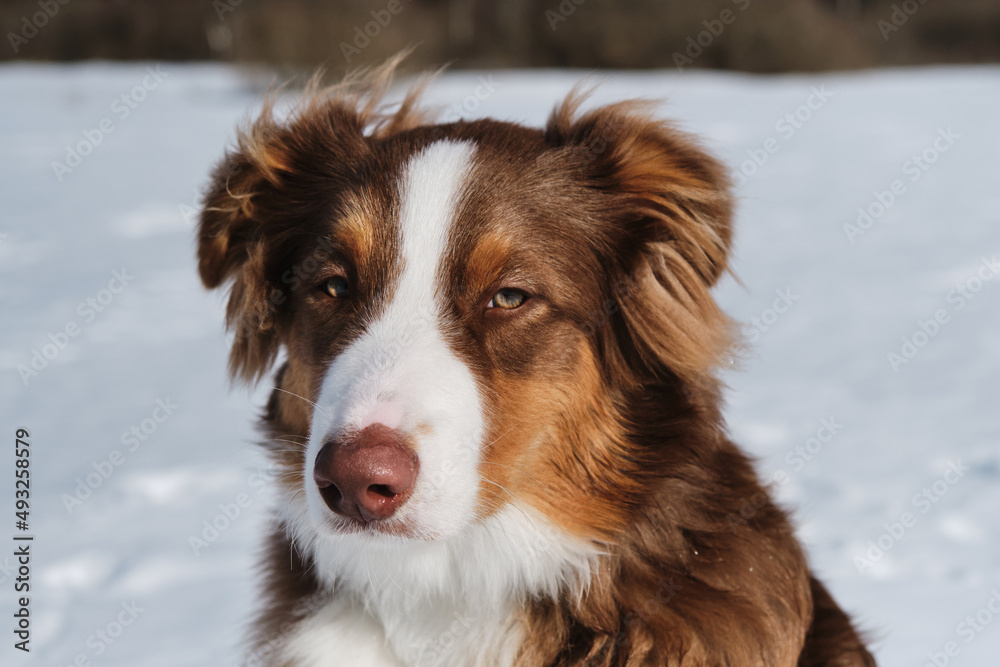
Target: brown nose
pixel 366 475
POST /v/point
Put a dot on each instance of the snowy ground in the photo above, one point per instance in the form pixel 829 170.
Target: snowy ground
pixel 851 440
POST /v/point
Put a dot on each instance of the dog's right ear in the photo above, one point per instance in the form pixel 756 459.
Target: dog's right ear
pixel 276 181
pixel 264 197
pixel 228 227
pixel 233 233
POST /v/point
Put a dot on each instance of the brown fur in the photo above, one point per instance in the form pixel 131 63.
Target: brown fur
pixel 603 404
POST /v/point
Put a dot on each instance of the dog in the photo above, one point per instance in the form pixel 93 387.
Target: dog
pixel 496 424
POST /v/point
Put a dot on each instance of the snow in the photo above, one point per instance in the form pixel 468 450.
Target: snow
pixel 817 381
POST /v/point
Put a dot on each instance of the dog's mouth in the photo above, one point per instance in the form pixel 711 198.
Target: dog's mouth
pixel 376 528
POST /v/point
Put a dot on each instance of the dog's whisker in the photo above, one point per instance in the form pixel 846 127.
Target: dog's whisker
pixel 580 364
pixel 395 583
pixel 504 434
pixel 291 393
pixel 500 486
pixel 514 468
pixel 288 442
pixel 292 436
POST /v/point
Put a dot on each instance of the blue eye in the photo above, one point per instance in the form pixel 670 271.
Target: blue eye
pixel 507 299
pixel 337 287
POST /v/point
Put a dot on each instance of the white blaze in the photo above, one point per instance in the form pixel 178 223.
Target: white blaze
pixel 401 372
pixel 403 595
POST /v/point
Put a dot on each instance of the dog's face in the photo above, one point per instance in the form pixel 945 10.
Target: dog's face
pixel 465 306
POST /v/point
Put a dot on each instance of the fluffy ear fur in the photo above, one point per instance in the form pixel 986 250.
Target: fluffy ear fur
pixel 674 206
pixel 272 188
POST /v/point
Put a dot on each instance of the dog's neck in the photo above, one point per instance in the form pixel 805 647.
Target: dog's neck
pixel 453 601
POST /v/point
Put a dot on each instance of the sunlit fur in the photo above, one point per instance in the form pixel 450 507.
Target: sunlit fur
pixel 581 503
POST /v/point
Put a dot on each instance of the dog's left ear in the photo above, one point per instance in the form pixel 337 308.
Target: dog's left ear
pixel 671 206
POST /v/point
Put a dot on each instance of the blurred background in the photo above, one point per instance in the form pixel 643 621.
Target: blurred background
pixel 862 137
pixel 771 35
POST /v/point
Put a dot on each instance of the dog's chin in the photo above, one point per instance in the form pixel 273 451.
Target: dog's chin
pixel 384 531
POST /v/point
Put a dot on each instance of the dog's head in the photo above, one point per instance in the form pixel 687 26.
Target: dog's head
pixel 466 308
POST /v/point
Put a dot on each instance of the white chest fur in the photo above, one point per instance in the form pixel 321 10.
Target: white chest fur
pixel 447 603
pixel 344 633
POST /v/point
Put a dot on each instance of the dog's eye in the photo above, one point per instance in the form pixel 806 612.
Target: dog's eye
pixel 508 298
pixel 337 287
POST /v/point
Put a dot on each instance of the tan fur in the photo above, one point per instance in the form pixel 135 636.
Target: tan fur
pixel 601 400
